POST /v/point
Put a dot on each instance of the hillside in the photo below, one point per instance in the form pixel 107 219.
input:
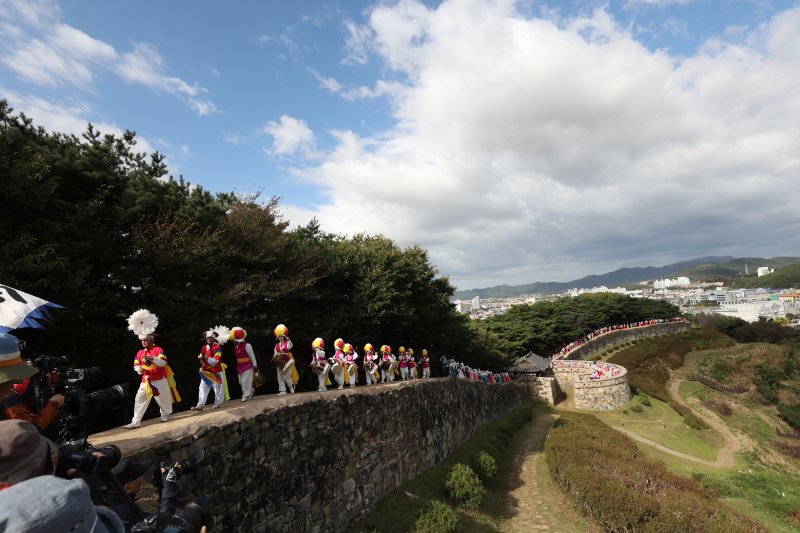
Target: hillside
pixel 711 268
pixel 783 278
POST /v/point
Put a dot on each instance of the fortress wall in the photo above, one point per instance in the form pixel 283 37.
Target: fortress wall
pixel 320 463
pixel 608 392
pixel 598 344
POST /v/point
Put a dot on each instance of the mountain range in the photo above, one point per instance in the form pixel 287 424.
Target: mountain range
pixel 701 268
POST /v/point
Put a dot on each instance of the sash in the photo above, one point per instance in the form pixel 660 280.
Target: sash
pixel 212 378
pixel 152 390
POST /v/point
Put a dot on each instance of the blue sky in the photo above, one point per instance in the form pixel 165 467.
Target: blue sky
pixel 517 141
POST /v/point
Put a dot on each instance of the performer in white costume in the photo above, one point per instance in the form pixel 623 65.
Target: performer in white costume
pixel 319 363
pixel 284 360
pixel 425 364
pixel 350 362
pixel 371 364
pixel 246 363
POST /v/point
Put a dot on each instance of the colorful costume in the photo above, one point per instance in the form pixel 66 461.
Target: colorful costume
pixel 319 363
pixel 158 380
pixel 403 363
pixel 371 370
pixel 387 364
pixel 412 364
pixel 287 373
pixel 212 373
pixel 246 363
pixel 425 364
pixel 350 364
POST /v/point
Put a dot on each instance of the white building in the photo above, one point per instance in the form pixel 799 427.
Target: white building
pixel 476 303
pixel 667 283
pixel 763 271
pixel 459 306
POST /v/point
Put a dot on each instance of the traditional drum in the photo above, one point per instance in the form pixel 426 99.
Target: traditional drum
pixel 336 367
pixel 386 365
pixel 283 360
pixel 318 366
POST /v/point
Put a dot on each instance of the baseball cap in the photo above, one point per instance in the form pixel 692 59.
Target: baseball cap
pixel 24 453
pixel 12 367
pixel 127 471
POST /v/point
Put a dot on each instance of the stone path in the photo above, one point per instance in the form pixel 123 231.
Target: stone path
pixel 535 502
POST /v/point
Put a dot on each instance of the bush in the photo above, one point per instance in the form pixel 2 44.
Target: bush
pixel 637 408
pixel 645 400
pixel 465 486
pixel 436 517
pixel 607 476
pixel 688 417
pixel 767 378
pixel 485 465
pixel 791 413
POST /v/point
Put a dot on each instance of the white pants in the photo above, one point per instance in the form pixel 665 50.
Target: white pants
pixel 411 372
pixel 387 375
pixel 219 392
pixel 404 372
pixel 285 379
pixel 353 371
pixel 339 377
pixel 426 371
pixel 246 381
pixel 321 378
pixel 370 377
pixel 164 399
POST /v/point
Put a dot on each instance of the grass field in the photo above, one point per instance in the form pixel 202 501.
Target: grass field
pixel 660 423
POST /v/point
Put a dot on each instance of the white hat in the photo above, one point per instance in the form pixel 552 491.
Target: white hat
pixel 143 324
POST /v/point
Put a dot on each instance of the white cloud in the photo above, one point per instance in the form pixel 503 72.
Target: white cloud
pixel 290 136
pixel 358 43
pixel 40 48
pixel 381 88
pixel 71 117
pixel 527 150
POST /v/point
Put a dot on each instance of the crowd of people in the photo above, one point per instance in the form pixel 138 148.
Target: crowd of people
pixel 458 370
pixel 598 370
pixel 158 381
pixel 565 350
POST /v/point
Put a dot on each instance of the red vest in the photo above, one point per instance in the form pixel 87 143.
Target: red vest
pixel 215 351
pixel 243 362
pixel 150 370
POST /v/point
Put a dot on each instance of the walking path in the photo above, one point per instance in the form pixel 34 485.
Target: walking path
pixel 535 502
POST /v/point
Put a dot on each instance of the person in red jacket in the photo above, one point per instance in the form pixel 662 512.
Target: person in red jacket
pixel 212 373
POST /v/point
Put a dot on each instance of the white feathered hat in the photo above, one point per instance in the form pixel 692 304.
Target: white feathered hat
pixel 221 334
pixel 143 324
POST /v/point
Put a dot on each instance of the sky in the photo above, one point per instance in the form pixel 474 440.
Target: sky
pixel 517 141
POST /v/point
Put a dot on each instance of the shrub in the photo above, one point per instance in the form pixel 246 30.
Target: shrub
pixel 465 487
pixel 688 417
pixel 719 407
pixel 645 400
pixel 637 408
pixel 791 413
pixel 436 517
pixel 719 370
pixel 485 465
pixel 767 378
pixel 607 476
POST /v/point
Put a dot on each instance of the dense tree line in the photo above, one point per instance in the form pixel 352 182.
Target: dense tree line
pixel 95 226
pixel 546 326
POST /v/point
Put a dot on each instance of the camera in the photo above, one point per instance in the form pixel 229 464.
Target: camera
pixel 81 457
pixel 46 363
pixel 173 471
pixel 189 520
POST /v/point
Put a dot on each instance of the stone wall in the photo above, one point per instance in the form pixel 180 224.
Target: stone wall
pixel 542 388
pixel 322 461
pixel 608 392
pixel 600 343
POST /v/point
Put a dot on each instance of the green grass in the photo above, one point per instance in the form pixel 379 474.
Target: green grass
pixel 661 424
pixel 396 512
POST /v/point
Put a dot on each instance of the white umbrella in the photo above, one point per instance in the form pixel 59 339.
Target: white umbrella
pixel 22 310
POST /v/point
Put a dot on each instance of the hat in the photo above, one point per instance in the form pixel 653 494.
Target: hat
pixel 127 471
pixel 238 334
pixel 143 324
pixel 281 330
pixel 12 367
pixel 23 452
pixel 60 505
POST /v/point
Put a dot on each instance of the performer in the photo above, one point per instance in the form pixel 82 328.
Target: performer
pixel 338 366
pixel 412 364
pixel 403 363
pixel 246 364
pixel 212 371
pixel 370 364
pixel 425 364
pixel 387 364
pixel 319 364
pixel 158 380
pixel 283 358
pixel 350 362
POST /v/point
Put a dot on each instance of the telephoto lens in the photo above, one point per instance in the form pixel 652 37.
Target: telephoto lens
pixel 191 518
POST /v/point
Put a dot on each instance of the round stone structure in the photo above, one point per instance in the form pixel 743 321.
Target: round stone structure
pixel 610 391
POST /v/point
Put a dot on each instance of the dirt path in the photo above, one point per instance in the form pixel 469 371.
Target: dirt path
pixel 725 455
pixel 535 502
pixel 643 440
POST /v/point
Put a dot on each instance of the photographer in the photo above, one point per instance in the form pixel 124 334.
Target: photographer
pixel 12 368
pixel 130 475
pixel 18 404
pixel 32 499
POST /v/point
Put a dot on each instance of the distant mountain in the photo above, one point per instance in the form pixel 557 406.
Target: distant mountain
pixel 695 269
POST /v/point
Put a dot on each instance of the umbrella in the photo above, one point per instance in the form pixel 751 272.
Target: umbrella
pixel 22 310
